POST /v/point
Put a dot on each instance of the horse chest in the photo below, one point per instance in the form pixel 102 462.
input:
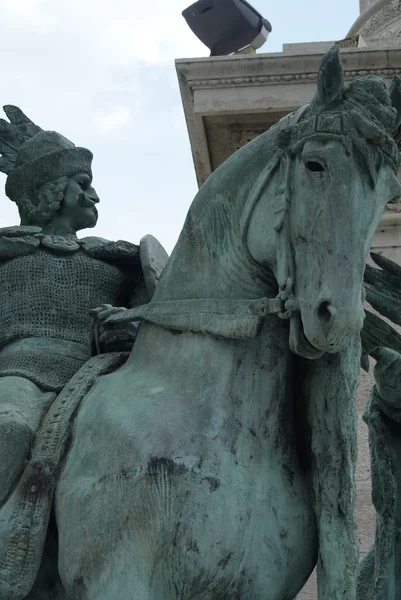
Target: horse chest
pixel 204 492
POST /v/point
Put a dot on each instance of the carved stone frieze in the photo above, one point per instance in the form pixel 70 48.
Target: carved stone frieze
pixel 382 21
pixel 390 33
pixel 259 80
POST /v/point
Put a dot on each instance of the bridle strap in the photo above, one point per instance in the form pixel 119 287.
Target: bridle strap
pixel 285 261
pixel 226 318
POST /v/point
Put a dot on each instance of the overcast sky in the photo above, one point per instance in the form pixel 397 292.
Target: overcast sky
pixel 102 73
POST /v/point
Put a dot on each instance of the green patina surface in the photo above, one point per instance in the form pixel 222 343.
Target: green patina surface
pixel 214 457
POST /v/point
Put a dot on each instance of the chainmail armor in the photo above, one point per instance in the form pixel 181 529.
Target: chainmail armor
pixel 48 296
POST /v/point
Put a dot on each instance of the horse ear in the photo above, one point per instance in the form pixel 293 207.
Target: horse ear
pixel 395 95
pixel 330 79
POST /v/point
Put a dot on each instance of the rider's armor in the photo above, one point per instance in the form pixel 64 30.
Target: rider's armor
pixel 46 296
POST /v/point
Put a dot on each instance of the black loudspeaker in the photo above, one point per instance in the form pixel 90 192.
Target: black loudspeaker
pixel 226 26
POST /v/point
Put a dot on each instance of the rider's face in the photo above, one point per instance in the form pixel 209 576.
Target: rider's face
pixel 79 204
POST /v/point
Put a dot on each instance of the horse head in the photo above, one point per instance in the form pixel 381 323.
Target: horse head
pixel 338 171
pixel 293 214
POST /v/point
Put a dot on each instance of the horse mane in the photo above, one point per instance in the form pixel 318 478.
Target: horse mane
pixel 368 104
pixel 215 226
pixel 223 197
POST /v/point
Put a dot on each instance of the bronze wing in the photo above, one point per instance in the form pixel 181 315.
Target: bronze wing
pixel 383 292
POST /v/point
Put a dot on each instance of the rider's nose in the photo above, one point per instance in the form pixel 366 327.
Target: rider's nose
pixel 92 195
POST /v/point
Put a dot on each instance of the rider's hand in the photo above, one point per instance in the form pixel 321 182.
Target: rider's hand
pixel 111 338
pixel 103 312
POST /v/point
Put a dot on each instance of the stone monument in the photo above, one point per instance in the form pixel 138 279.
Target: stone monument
pixel 215 459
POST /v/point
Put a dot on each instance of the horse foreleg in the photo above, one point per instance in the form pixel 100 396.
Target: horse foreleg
pixel 106 555
pixel 331 386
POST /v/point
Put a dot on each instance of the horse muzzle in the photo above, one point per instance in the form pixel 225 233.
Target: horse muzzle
pixel 328 328
pixel 299 343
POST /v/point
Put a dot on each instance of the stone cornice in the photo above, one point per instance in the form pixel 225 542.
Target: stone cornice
pixel 251 89
pixel 278 69
pixel 284 78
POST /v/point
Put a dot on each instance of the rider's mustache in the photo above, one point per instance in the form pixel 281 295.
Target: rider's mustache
pixel 85 201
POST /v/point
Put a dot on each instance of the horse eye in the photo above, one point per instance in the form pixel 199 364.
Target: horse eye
pixel 314 166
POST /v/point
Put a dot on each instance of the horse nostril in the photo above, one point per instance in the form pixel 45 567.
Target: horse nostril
pixel 325 313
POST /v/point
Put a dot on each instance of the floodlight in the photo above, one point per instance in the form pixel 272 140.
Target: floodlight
pixel 227 26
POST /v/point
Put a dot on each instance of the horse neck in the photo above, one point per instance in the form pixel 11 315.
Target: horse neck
pixel 211 259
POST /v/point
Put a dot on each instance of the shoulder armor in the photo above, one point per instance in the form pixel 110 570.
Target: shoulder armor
pixel 105 250
pixel 18 241
pixel 153 260
pixel 19 231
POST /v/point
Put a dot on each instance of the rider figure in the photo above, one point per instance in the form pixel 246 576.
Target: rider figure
pixel 50 280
